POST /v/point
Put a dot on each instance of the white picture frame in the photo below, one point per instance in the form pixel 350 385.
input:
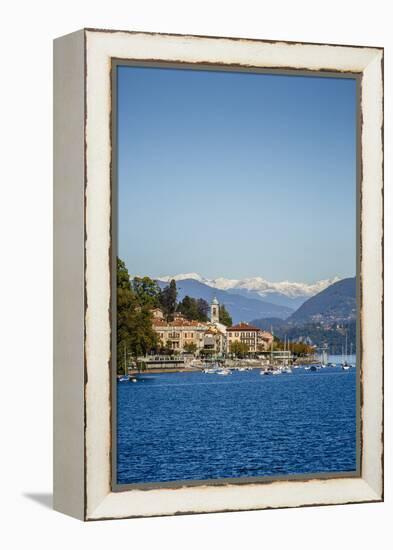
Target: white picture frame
pixel 82 257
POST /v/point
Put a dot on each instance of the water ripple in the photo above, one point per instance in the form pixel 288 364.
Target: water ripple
pixel 190 426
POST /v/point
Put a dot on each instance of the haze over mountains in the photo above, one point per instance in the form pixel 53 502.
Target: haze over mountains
pixel 255 298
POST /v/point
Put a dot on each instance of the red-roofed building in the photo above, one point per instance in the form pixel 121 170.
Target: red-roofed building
pixel 182 334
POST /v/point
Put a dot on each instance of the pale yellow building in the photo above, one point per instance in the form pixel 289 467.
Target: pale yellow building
pixel 255 338
pixel 179 333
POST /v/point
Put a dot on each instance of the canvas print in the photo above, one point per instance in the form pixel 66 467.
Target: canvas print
pixel 236 324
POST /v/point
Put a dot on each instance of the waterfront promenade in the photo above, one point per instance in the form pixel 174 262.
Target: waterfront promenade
pixel 167 363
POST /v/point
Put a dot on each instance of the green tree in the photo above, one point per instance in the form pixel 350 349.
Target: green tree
pixel 143 338
pixel 206 352
pixel 278 345
pixel 168 298
pixel 147 291
pixel 301 349
pixel 190 347
pixel 239 348
pixel 123 277
pixel 187 307
pixel 224 316
pixel 126 304
pixel 193 309
pixel 203 310
pixel 169 349
pixel 135 333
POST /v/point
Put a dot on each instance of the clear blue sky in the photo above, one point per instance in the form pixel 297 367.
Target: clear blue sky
pixel 236 174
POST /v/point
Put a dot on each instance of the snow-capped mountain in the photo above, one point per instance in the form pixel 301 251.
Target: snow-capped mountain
pixel 258 285
pixel 241 307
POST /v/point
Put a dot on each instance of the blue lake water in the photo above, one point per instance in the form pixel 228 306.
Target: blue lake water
pixel 193 426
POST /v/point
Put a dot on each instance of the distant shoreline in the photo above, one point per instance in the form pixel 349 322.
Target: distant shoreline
pixel 157 371
pixel 304 361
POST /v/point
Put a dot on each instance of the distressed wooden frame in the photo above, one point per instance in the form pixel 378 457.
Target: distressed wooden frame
pixel 82 291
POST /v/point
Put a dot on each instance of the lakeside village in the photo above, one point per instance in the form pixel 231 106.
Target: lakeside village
pixel 157 333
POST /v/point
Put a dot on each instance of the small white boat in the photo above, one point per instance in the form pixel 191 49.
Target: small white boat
pixel 346 367
pixel 123 379
pixel 275 372
pixel 213 369
pixel 286 370
pixel 224 372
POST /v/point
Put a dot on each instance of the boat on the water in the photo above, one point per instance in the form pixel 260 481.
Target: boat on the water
pixel 287 370
pixel 345 365
pixel 224 372
pixel 214 369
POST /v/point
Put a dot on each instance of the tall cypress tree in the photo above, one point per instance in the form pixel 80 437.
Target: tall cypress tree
pixel 168 298
pixel 224 316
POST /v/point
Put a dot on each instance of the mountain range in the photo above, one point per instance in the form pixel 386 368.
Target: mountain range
pixel 287 303
pixel 284 293
pixel 337 302
pixel 329 318
pixel 241 308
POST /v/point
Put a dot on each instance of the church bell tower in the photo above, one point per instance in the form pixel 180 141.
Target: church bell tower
pixel 214 311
